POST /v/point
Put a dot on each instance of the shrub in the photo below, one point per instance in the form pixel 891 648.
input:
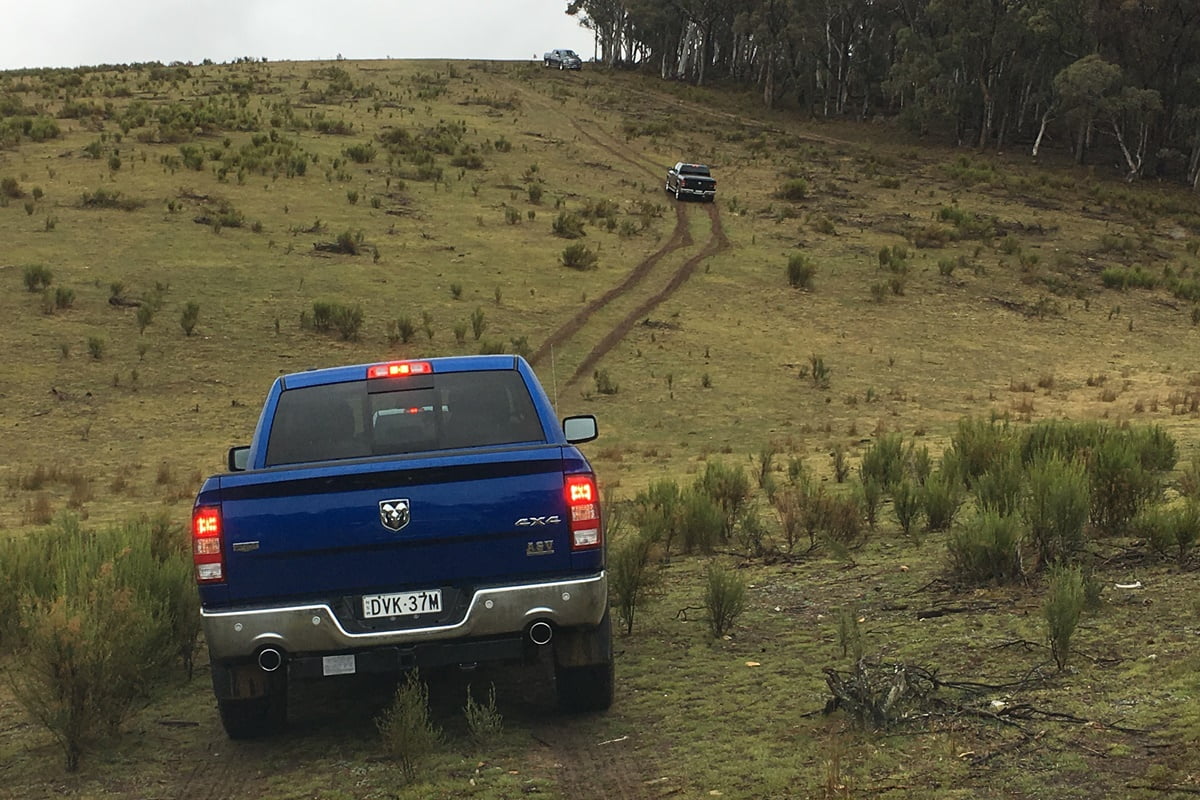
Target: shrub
pixel 360 153
pixel 189 317
pixel 1171 531
pixel 632 577
pixel 998 489
pixel 883 461
pixel 578 256
pixel 1120 486
pixel 986 549
pixel 407 733
pixel 789 503
pixel 1124 278
pixel 839 521
pixel 701 521
pixel 941 497
pixel 484 722
pixel 535 192
pixel 10 187
pixel 1064 606
pixel 793 190
pixel 145 315
pixel 467 161
pixel 95 346
pixel 37 277
pixel 658 513
pixel 871 496
pixel 1056 507
pixel 977 444
pixel 103 613
pixel 478 322
pixel 906 505
pixel 64 297
pixel 800 272
pixel 103 198
pixel 348 320
pixel 729 488
pixel 567 225
pixel 724 599
pixel 605 384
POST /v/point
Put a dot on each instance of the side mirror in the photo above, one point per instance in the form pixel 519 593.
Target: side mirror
pixel 238 458
pixel 580 429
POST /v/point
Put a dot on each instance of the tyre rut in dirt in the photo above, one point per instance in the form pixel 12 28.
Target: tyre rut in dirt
pixel 680 238
pixel 716 243
pixel 585 768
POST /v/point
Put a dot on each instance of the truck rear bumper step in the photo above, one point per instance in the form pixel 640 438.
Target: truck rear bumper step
pixel 313 628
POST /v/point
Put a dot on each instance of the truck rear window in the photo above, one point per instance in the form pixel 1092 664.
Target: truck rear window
pixel 408 415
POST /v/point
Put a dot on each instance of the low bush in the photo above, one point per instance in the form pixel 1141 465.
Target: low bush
pixel 484 722
pixel 724 599
pixel 567 225
pixel 1127 278
pixel 729 488
pixel 189 317
pixel 884 461
pixel 578 256
pixel 906 505
pixel 977 444
pixel 986 550
pixel 478 322
pixel 632 576
pixel 793 190
pixel 104 198
pixel 658 514
pixel 406 731
pixel 941 497
pixel 99 616
pixel 800 272
pixel 37 277
pixel 999 488
pixel 360 153
pixel 1055 507
pixel 1062 610
pixel 1171 532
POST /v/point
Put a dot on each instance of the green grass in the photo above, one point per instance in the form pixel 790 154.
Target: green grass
pixel 712 373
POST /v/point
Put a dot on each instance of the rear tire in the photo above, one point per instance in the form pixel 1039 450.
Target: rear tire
pixel 255 717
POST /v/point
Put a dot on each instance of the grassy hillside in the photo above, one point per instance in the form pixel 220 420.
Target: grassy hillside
pixel 934 285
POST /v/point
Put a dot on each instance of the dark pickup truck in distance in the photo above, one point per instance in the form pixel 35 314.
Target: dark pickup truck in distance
pixel 691 180
pixel 563 59
pixel 402 515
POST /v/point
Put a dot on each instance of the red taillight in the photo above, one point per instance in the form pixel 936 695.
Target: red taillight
pixel 399 369
pixel 583 501
pixel 208 555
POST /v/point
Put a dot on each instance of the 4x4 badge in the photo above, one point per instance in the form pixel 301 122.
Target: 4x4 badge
pixel 394 514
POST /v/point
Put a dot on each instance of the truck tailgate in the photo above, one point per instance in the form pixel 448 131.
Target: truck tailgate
pixel 395 526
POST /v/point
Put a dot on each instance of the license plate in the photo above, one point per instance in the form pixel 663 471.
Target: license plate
pixel 402 604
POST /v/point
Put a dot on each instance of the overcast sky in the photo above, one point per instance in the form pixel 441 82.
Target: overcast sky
pixel 70 33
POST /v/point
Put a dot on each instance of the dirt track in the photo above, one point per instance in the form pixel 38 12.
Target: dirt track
pixel 680 238
pixel 716 243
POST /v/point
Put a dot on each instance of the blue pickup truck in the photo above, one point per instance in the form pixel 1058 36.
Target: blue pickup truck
pixel 398 515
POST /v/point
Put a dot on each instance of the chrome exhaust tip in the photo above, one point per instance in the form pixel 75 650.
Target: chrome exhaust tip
pixel 540 633
pixel 270 659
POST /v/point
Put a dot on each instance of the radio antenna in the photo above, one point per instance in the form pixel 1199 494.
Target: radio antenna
pixel 554 376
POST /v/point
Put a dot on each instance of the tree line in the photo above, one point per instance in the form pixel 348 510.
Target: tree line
pixel 1103 77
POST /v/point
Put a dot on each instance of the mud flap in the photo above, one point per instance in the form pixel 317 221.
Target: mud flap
pixel 582 647
pixel 239 681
